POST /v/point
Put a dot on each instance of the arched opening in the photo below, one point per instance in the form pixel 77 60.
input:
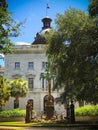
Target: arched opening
pixel 45 100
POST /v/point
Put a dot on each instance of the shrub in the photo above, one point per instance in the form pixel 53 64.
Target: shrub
pixel 13 113
pixel 87 111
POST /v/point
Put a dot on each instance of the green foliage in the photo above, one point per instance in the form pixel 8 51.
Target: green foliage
pixel 4 91
pixel 87 111
pixel 13 113
pixel 8 28
pixel 73 52
pixel 93 8
pixel 18 88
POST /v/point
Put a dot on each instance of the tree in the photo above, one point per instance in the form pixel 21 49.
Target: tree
pixel 18 89
pixel 49 103
pixel 93 8
pixel 4 91
pixel 8 28
pixel 73 51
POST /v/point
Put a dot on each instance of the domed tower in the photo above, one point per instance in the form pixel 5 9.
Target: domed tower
pixel 40 39
pixel 46 23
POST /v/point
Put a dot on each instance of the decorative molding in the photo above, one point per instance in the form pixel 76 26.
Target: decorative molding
pixel 16 76
pixel 30 76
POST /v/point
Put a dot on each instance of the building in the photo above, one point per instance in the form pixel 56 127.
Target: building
pixel 2 71
pixel 29 62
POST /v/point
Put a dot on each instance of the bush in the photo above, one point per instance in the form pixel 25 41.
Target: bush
pixel 13 113
pixel 87 111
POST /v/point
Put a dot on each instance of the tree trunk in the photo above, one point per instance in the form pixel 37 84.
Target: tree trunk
pixel 16 102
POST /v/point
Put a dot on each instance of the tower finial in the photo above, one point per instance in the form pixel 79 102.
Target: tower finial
pixel 47 7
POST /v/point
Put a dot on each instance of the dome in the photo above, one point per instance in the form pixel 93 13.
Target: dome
pixel 40 39
pixel 45 31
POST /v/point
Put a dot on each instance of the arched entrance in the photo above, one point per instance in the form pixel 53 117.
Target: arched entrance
pixel 46 100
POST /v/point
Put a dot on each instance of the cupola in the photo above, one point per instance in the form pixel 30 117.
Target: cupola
pixel 46 23
pixel 40 39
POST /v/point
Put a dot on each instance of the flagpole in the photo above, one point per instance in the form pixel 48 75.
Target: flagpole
pixel 47 7
pixel 46 11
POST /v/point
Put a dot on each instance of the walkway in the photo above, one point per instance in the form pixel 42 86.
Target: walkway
pixel 44 128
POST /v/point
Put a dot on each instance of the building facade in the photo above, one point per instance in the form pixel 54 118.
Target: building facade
pixel 29 62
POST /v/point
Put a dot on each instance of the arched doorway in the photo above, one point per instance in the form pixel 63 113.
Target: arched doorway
pixel 45 100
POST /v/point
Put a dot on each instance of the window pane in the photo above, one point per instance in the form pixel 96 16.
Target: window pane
pixel 44 65
pixel 31 65
pixel 17 65
pixel 31 83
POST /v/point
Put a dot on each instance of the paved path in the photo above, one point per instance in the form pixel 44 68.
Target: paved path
pixel 42 128
pixel 50 128
pixel 10 128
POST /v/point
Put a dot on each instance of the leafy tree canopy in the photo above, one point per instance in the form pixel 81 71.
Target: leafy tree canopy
pixel 19 88
pixel 93 8
pixel 4 91
pixel 73 51
pixel 8 28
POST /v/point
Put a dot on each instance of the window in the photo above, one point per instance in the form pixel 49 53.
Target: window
pixel 17 65
pixel 46 83
pixel 42 79
pixel 31 82
pixel 42 82
pixel 31 65
pixel 44 65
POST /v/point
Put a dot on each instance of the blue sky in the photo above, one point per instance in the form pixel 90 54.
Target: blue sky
pixel 32 11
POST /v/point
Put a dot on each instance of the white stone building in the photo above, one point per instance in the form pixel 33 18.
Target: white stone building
pixel 29 62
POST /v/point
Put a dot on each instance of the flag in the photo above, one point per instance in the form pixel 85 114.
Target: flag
pixel 48 6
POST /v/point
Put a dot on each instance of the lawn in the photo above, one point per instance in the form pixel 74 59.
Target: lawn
pixel 23 124
pixel 91 111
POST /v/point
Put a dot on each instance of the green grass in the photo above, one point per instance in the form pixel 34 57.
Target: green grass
pixel 87 111
pixel 82 111
pixel 23 124
pixel 18 124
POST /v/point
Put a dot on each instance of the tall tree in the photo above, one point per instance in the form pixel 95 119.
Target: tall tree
pixel 4 91
pixel 74 56
pixel 93 8
pixel 8 28
pixel 18 89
